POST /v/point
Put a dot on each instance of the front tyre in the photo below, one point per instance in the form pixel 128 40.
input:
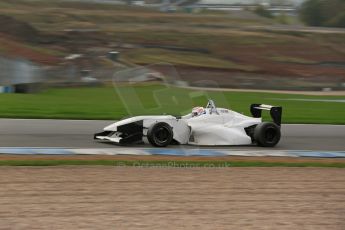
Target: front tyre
pixel 267 134
pixel 160 134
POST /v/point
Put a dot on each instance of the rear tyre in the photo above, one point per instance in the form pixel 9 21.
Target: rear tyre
pixel 160 134
pixel 267 134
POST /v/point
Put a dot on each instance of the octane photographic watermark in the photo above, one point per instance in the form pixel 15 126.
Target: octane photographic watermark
pixel 173 164
pixel 158 89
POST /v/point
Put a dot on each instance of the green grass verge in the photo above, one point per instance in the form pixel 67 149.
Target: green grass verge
pixel 153 99
pixel 167 163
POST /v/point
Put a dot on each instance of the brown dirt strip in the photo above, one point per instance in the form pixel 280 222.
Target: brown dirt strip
pixel 100 197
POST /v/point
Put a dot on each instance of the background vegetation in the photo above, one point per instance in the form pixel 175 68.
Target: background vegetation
pixel 323 13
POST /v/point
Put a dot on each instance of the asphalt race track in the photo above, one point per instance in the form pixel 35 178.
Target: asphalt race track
pixel 79 134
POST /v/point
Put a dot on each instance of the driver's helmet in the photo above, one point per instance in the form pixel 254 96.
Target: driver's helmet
pixel 196 111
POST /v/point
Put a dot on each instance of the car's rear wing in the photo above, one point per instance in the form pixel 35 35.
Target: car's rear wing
pixel 275 112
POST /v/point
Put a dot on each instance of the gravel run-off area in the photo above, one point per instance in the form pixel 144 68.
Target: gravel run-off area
pixel 109 197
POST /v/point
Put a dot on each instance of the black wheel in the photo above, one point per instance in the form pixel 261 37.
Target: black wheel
pixel 267 134
pixel 160 134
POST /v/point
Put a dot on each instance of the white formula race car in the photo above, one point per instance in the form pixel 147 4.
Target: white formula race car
pixel 209 126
